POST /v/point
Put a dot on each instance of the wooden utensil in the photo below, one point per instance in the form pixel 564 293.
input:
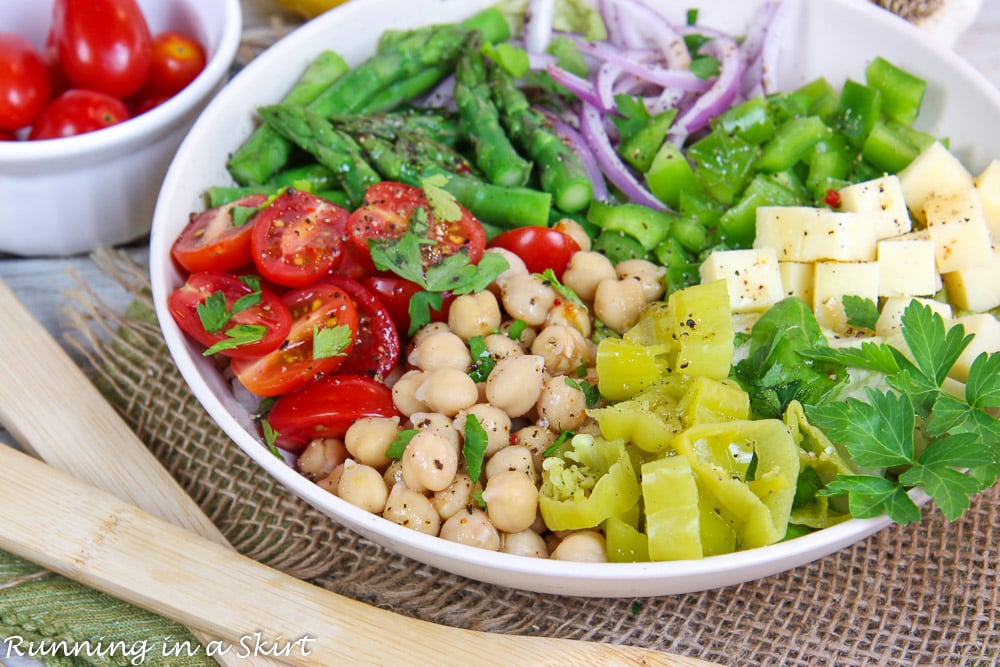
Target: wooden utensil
pixel 112 546
pixel 107 542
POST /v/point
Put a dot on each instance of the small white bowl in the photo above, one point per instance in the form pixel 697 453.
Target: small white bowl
pixel 70 195
pixel 833 38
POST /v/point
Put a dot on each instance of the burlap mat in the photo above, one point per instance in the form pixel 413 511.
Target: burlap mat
pixel 921 595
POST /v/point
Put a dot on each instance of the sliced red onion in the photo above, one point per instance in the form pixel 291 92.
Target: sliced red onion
pixel 683 79
pixel 723 92
pixel 537 30
pixel 612 21
pixel 778 28
pixel 642 25
pixel 582 88
pixel 604 84
pixel 595 135
pixel 441 96
pixel 576 144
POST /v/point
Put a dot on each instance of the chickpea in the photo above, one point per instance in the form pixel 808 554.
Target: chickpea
pixel 575 231
pixel 440 349
pixel 393 474
pixel 411 509
pixel 511 500
pixel 331 482
pixel 562 406
pixel 524 543
pixel 649 276
pixel 563 349
pixel 430 461
pixel 528 297
pixel 501 346
pixel 516 458
pixel 570 314
pixel 363 486
pixel 455 497
pixel 494 421
pixel 447 390
pixel 438 422
pixel 585 271
pixel 585 546
pixel 426 330
pixel 515 265
pixel 537 439
pixel 321 456
pixel 474 314
pixel 404 392
pixel 618 303
pixel 527 334
pixel 514 384
pixel 471 526
pixel 368 439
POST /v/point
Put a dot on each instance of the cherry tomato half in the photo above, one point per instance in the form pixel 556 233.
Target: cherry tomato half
pixel 78 111
pixel 297 239
pixel 326 408
pixel 396 292
pixel 103 45
pixel 219 238
pixel 386 213
pixel 269 313
pixel 540 248
pixel 176 60
pixel 24 82
pixel 376 349
pixel 293 365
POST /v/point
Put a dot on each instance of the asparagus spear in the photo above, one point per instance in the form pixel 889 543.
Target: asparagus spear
pixel 494 154
pixel 440 126
pixel 560 171
pixel 249 164
pixel 333 149
pixel 506 206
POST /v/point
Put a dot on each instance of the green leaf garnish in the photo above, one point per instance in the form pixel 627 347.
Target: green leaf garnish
pixel 482 360
pixel 399 443
pixel 443 203
pixel 511 58
pixel 861 312
pixel 241 334
pixel 270 437
pixel 474 447
pixel 331 342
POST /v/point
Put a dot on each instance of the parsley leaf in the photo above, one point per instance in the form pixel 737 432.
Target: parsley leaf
pixel 482 360
pixel 474 447
pixel 935 349
pixel 590 392
pixel 270 437
pixel 331 342
pixel 442 202
pixel 509 57
pixel 880 432
pixel 421 305
pixel 399 443
pixel 861 312
pixel 213 312
pixel 241 334
pixel 869 496
pixel 516 329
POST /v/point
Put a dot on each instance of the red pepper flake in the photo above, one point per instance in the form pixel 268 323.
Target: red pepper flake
pixel 832 198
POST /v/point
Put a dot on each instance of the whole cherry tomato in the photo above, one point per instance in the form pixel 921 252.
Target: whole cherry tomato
pixel 539 247
pixel 177 60
pixel 103 45
pixel 78 111
pixel 24 82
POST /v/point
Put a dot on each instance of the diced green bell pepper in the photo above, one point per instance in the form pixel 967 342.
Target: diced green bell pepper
pixel 751 121
pixel 723 164
pixel 902 92
pixel 860 107
pixel 670 174
pixel 791 142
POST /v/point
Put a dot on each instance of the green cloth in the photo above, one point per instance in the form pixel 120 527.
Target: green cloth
pixel 40 611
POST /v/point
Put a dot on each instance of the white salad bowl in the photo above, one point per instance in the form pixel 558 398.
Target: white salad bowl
pixel 832 38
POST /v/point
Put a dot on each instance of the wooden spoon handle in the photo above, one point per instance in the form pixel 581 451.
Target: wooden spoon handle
pixel 103 542
pixel 55 412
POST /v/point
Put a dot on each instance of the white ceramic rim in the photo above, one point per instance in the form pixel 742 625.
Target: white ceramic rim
pixel 538 575
pixel 147 124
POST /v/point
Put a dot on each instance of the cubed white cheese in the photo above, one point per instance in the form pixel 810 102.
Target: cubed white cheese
pixel 957 227
pixel 934 171
pixel 986 330
pixel 752 276
pixel 841 237
pixel 907 266
pixel 882 200
pixel 833 281
pixel 988 185
pixel 782 228
pixel 797 279
pixel 975 288
pixel 890 319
